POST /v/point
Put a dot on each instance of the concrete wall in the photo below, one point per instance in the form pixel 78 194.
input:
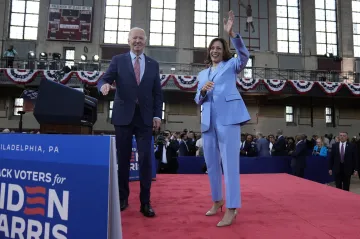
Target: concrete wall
pixel 266 56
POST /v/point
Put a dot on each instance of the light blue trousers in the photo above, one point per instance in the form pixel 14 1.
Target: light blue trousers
pixel 222 143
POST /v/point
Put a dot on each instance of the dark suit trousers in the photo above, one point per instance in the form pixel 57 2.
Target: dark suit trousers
pixel 143 134
pixel 298 172
pixel 342 180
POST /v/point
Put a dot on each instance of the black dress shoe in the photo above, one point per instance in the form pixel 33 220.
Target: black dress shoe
pixel 123 204
pixel 147 210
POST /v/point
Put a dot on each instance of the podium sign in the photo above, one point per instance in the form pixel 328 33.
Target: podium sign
pixel 134 161
pixel 58 187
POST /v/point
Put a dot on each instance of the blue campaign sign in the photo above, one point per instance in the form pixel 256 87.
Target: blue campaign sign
pixel 134 165
pixel 54 186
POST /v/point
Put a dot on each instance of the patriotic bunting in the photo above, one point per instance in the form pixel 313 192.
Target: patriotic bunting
pixel 21 76
pixel 50 75
pixel 329 88
pixel 247 84
pixel 275 85
pixel 89 77
pixel 302 86
pixel 185 82
pixel 354 88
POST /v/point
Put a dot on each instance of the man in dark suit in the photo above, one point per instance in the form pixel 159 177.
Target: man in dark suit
pixel 183 147
pixel 343 162
pixel 166 153
pixel 279 147
pixel 262 145
pixel 298 162
pixel 136 111
pixel 249 147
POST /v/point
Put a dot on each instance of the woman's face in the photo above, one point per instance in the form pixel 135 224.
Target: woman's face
pixel 216 52
pixel 318 142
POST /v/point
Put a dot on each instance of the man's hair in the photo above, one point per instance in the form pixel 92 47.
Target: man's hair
pixel 136 28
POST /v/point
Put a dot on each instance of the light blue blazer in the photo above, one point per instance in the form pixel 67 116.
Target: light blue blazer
pixel 323 151
pixel 229 105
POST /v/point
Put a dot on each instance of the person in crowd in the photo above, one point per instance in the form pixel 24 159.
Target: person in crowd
pixel 320 149
pixel 343 162
pixel 290 146
pixel 279 147
pixel 223 113
pixel 9 56
pixel 262 145
pixel 298 161
pixel 249 149
pixel 166 153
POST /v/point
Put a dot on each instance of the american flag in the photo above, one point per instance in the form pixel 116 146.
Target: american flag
pixel 29 95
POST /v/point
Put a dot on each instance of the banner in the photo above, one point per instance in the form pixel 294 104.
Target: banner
pixel 57 187
pixel 134 165
pixel 70 23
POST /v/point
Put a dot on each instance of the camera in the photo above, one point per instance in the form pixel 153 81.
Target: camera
pixel 160 139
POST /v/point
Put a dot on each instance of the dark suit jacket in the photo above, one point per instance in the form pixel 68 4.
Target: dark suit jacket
pixel 279 147
pixel 350 159
pixel 171 154
pixel 249 149
pixel 192 147
pixel 128 92
pixel 299 155
pixel 183 149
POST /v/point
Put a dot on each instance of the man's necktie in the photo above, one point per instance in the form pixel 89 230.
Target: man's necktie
pixel 137 69
pixel 342 153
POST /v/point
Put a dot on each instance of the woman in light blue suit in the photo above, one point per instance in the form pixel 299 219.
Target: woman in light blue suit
pixel 320 149
pixel 223 110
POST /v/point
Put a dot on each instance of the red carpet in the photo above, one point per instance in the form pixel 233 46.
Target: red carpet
pixel 274 206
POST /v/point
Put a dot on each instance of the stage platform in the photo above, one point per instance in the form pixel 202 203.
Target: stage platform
pixel 274 206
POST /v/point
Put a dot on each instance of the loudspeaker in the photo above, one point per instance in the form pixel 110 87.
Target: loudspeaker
pixel 59 104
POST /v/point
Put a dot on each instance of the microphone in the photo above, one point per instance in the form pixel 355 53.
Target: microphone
pixel 61 73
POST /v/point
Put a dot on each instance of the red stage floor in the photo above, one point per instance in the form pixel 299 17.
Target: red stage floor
pixel 274 206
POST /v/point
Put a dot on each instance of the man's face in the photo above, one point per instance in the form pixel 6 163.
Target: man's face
pixel 137 40
pixel 343 137
pixel 167 133
pixel 249 138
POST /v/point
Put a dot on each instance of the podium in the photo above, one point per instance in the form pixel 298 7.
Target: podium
pixel 59 186
pixel 65 129
pixel 63 110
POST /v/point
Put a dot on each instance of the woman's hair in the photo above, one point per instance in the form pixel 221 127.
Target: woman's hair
pixel 226 50
pixel 321 141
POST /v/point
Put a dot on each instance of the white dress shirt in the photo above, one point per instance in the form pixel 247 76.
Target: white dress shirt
pixel 164 159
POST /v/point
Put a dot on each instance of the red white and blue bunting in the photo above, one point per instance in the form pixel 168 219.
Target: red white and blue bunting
pixel 21 76
pixel 185 82
pixel 302 86
pixel 50 75
pixel 275 85
pixel 354 88
pixel 89 77
pixel 329 88
pixel 247 84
